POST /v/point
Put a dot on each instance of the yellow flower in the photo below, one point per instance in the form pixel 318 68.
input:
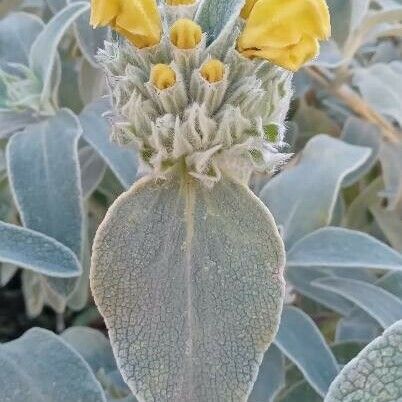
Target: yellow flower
pixel 185 34
pixel 213 71
pixel 162 76
pixel 284 32
pixel 138 20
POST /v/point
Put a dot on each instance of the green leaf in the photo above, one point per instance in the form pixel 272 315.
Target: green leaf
pixel 44 174
pixel 36 252
pixel 189 281
pixel 375 375
pixel 301 341
pixel 43 52
pixel 40 366
pixel 302 198
pixel 216 15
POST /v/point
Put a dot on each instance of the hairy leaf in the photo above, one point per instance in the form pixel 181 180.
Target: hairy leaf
pixel 301 341
pixel 40 366
pixel 44 174
pixel 189 281
pixel 37 252
pixel 338 247
pixel 43 52
pixel 215 15
pixel 375 375
pixel 303 197
pixel 378 303
pixel 123 162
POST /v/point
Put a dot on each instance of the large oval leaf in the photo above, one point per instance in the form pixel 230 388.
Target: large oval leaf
pixel 375 375
pixel 40 366
pixel 190 283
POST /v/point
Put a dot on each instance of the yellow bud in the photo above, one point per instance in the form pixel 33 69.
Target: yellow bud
pixel 162 76
pixel 213 70
pixel 138 20
pixel 185 34
pixel 284 32
pixel 180 2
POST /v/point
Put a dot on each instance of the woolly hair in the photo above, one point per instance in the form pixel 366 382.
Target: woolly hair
pixel 211 127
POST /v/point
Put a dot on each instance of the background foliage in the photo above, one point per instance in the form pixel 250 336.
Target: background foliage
pixel 338 202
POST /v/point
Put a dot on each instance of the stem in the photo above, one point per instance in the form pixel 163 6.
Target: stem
pixel 357 104
pixel 60 323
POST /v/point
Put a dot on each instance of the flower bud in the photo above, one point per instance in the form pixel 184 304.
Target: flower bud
pixel 162 76
pixel 213 70
pixel 185 34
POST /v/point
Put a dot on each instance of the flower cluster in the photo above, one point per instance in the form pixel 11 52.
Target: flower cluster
pixel 211 107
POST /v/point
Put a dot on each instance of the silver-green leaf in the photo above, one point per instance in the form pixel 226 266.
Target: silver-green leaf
pixel 375 375
pixel 189 281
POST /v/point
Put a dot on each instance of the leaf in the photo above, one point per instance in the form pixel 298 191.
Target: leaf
pixel 37 252
pixel 375 374
pixel 303 197
pixel 189 281
pixel 123 162
pixel 88 38
pixel 378 303
pixel 302 277
pixel 391 162
pixel 216 15
pixel 39 366
pixel 384 79
pixel 271 377
pixel 17 33
pixel 301 341
pixel 93 346
pixel 338 247
pixel 358 326
pixel 44 174
pixel 92 169
pixel 11 122
pixel 361 133
pixel 43 52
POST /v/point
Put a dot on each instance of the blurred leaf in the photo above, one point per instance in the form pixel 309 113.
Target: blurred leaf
pixel 376 373
pixel 92 169
pixel 271 376
pixel 96 131
pixel 92 83
pixel 302 198
pixel 391 161
pixel 40 366
pixel 43 53
pixel 360 133
pixel 93 346
pixel 301 341
pixel 37 252
pixel 338 247
pixel 18 31
pixel 300 392
pixel 382 79
pixel 378 303
pixel 44 174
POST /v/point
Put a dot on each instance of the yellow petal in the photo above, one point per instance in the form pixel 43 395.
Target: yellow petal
pixel 103 12
pixel 213 70
pixel 140 21
pixel 162 76
pixel 180 2
pixel 282 23
pixel 291 57
pixel 245 12
pixel 185 34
